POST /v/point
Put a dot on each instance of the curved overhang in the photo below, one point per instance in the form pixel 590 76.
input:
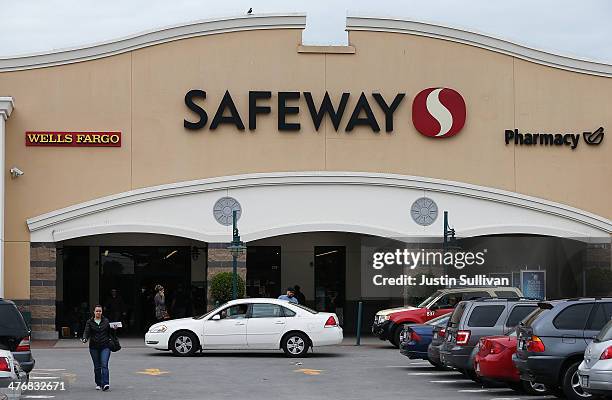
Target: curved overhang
pixel 295 202
pixel 488 42
pixel 152 38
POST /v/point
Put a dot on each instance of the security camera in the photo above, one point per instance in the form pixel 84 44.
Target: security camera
pixel 15 172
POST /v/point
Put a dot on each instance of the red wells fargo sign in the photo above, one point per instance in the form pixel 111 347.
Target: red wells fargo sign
pixel 73 139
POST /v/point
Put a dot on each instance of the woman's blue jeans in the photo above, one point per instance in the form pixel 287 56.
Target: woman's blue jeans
pixel 100 359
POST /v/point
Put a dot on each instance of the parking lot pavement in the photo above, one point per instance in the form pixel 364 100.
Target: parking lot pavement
pixel 373 370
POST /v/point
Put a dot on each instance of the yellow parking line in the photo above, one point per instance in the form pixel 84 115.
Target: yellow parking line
pixel 153 372
pixel 307 371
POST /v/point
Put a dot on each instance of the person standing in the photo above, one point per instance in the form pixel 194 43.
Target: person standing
pixel 98 333
pixel 115 307
pixel 290 296
pixel 299 295
pixel 161 313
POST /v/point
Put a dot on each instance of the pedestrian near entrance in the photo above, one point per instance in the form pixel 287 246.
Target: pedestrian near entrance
pixel 299 295
pixel 115 307
pixel 161 313
pixel 98 333
pixel 290 296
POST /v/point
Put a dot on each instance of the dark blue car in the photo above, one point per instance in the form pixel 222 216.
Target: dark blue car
pixel 415 339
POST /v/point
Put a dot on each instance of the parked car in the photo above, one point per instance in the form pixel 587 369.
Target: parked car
pixel 415 339
pixel 10 373
pixel 15 334
pixel 472 320
pixel 493 362
pixel 553 339
pixel 388 324
pixel 595 372
pixel 437 340
pixel 248 324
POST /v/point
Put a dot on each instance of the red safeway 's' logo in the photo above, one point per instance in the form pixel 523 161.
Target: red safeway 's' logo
pixel 438 112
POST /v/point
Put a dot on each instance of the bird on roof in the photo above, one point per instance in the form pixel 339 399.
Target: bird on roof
pixel 250 11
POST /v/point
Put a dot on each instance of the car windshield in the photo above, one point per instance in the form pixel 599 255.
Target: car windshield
pixel 456 316
pixel 11 322
pixel 533 316
pixel 310 310
pixel 430 299
pixel 210 312
pixel 605 334
pixel 441 320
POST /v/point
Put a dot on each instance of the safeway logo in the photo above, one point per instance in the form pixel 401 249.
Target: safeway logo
pixel 438 112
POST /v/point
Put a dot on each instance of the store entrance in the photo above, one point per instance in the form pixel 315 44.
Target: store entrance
pixel 263 278
pixel 128 276
pixel 330 278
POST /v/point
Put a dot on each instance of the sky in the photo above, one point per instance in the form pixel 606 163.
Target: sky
pixel 580 29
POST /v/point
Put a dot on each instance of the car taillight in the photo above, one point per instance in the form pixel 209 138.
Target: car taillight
pixel 607 354
pixel 414 337
pixel 24 345
pixel 4 364
pixel 442 332
pixel 535 345
pixel 331 321
pixel 463 337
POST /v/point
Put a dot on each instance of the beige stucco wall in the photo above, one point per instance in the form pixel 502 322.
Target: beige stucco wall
pixel 141 93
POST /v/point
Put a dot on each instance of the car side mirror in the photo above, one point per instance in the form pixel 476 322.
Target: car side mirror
pixel 216 317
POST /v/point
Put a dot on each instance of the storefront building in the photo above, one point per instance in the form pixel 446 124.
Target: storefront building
pixel 123 162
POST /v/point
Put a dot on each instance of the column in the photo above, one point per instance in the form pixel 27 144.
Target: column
pixel 43 277
pixel 6 107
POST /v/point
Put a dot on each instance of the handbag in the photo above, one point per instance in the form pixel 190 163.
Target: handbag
pixel 113 343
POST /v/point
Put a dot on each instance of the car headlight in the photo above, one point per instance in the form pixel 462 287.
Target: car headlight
pixel 158 329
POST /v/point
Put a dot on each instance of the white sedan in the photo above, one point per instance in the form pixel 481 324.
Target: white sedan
pixel 248 324
pixel 11 376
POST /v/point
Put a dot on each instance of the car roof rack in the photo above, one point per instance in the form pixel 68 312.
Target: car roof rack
pixel 507 299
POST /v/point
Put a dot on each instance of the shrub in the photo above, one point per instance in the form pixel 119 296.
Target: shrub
pixel 221 287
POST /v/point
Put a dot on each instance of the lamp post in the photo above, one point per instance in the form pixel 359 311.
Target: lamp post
pixel 237 248
pixel 449 237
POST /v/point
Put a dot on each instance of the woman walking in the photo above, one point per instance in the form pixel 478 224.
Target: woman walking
pixel 161 313
pixel 98 333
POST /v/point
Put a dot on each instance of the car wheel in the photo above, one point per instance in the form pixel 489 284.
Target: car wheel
pixel 436 365
pixel 535 388
pixel 295 344
pixel 470 373
pixel 395 337
pixel 571 384
pixel 184 344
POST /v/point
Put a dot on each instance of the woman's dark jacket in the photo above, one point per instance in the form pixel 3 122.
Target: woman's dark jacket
pixel 98 335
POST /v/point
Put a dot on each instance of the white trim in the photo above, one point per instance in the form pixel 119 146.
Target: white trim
pixel 6 107
pixel 285 179
pixel 385 24
pixel 152 38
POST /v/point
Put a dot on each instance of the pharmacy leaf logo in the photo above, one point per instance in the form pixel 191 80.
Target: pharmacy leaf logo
pixel 594 137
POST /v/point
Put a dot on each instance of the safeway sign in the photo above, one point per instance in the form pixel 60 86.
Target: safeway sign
pixel 437 112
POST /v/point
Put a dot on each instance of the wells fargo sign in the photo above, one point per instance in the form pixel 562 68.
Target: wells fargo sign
pixel 73 139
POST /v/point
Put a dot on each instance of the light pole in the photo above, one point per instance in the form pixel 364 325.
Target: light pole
pixel 449 236
pixel 236 248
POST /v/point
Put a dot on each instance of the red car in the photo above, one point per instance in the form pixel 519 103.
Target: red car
pixel 494 362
